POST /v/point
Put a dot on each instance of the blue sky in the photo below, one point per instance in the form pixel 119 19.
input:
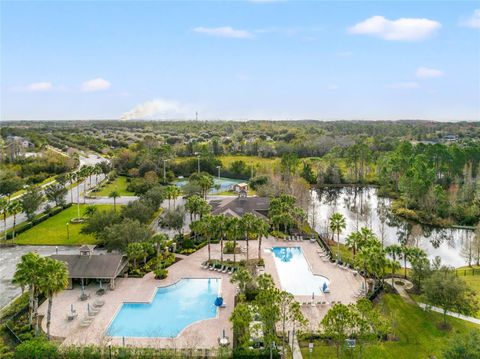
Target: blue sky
pixel 238 60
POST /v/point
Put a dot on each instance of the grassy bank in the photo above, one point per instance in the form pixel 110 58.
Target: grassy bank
pixel 119 184
pixel 53 231
pixel 416 330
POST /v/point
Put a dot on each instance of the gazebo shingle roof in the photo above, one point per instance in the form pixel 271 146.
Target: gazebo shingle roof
pixel 103 266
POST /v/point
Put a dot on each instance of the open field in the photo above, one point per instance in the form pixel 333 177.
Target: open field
pixel 119 184
pixel 53 231
pixel 417 332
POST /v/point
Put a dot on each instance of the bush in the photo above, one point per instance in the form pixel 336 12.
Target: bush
pixel 36 349
pixel 244 353
pixel 160 273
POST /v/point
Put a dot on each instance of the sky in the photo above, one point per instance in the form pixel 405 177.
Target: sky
pixel 77 60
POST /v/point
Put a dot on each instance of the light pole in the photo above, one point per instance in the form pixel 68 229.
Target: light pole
pixel 164 171
pixel 198 163
pixel 68 231
pixel 218 168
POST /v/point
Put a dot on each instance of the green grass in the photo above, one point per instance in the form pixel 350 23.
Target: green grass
pixel 119 184
pixel 53 231
pixel 472 280
pixel 417 332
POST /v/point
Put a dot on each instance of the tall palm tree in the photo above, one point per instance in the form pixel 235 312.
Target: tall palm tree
pixel 405 255
pixel 218 224
pixel 262 231
pixel 395 251
pixel 337 225
pixel 114 195
pixel 54 279
pixel 356 240
pixel 248 227
pixel 206 229
pixel 71 178
pixel 175 194
pixel 4 212
pixel 170 192
pixel 83 173
pixel 27 274
pixel 14 208
pixel 233 231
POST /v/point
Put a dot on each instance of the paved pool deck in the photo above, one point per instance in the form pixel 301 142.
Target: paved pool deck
pixel 203 334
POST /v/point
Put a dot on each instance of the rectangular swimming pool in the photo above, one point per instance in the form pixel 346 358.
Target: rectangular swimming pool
pixel 172 309
pixel 295 274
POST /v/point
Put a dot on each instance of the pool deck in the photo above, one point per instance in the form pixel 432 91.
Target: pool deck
pixel 203 334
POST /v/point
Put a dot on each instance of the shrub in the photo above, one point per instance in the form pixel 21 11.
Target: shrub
pixel 36 349
pixel 160 273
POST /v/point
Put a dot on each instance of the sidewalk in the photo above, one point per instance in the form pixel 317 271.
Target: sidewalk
pixel 451 314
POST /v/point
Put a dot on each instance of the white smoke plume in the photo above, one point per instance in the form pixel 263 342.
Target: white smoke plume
pixel 158 108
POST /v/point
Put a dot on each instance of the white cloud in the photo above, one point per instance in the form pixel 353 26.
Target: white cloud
pixel 158 108
pixel 404 85
pixel 473 21
pixel 225 31
pixel 427 73
pixel 97 84
pixel 36 87
pixel 403 29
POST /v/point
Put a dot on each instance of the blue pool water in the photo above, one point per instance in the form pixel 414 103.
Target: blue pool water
pixel 223 183
pixel 173 308
pixel 295 274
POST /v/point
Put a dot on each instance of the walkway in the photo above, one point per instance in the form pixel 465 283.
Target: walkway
pixel 451 314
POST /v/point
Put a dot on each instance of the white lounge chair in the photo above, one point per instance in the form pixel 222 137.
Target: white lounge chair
pixel 225 269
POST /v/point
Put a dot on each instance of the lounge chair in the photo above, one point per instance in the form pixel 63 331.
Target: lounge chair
pixel 71 316
pixel 220 269
pixel 204 265
pixel 225 269
pixel 211 267
pixel 230 270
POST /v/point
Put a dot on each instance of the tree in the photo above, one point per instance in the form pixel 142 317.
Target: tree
pixel 173 219
pixel 242 277
pixel 219 225
pixel 233 232
pixel 91 210
pixel 204 181
pixel 463 346
pixel 289 312
pixel 262 231
pixel 9 184
pixel 56 193
pixel 36 348
pixel 420 266
pixel 71 178
pixel 337 225
pixel 269 312
pixel 53 279
pixel 118 236
pixel 4 212
pixel 30 201
pixel 248 225
pixel 27 274
pixel 241 318
pixel 155 195
pixel 134 252
pixel 395 251
pixel 139 210
pixel 337 324
pixel 114 195
pixel 449 292
pixel 97 223
pixel 14 208
pixel 172 192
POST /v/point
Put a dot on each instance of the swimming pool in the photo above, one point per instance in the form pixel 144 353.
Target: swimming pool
pixel 172 309
pixel 295 274
pixel 223 183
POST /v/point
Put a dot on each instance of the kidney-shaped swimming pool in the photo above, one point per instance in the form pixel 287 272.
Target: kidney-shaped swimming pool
pixel 172 309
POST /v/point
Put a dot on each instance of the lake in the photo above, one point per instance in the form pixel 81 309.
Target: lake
pixel 362 207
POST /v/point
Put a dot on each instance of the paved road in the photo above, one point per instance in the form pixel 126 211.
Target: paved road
pixel 76 193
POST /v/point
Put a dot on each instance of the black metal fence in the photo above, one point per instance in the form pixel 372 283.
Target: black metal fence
pixel 467 271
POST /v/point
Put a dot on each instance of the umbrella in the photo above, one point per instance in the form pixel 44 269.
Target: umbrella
pixel 219 301
pixel 324 288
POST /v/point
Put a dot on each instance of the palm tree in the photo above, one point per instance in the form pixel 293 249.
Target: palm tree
pixel 191 205
pixel 90 210
pixel 262 231
pixel 54 279
pixel 170 192
pixel 357 239
pixel 114 195
pixel 337 225
pixel 4 212
pixel 83 173
pixel 405 255
pixel 71 178
pixel 175 193
pixel 135 251
pixel 218 224
pixel 395 251
pixel 14 207
pixel 233 231
pixel 27 274
pixel 248 227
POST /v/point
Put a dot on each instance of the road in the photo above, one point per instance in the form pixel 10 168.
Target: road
pixel 75 193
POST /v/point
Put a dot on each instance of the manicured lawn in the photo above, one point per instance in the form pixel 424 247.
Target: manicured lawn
pixel 53 231
pixel 119 184
pixel 417 331
pixel 472 280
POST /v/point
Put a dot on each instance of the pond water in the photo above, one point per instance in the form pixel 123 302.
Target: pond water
pixel 10 256
pixel 362 207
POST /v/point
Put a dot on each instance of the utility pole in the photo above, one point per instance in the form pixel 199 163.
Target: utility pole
pixel 218 167
pixel 196 115
pixel 198 163
pixel 164 171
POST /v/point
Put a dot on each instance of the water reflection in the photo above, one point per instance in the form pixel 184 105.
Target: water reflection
pixel 362 207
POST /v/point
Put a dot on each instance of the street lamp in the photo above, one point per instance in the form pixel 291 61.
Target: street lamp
pixel 218 168
pixel 164 171
pixel 68 231
pixel 198 162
